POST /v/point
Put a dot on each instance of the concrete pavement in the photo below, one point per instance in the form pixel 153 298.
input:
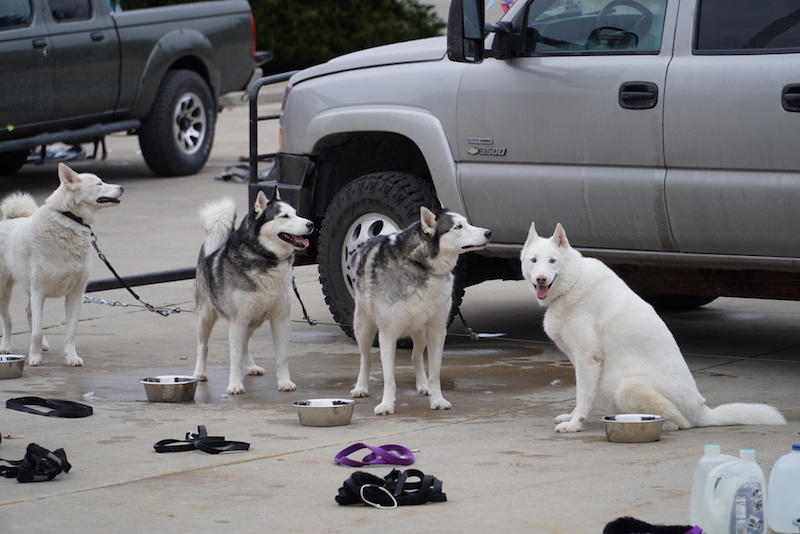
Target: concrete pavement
pixel 503 466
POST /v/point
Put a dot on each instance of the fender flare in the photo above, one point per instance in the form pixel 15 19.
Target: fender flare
pixel 186 47
pixel 422 128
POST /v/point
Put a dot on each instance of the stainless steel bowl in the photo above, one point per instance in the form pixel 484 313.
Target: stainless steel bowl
pixel 633 427
pixel 170 388
pixel 325 412
pixel 11 365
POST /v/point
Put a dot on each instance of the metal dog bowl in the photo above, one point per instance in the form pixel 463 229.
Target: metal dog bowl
pixel 325 412
pixel 633 428
pixel 11 365
pixel 170 388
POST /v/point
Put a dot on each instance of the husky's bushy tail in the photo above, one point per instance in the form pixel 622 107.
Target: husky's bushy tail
pixel 218 217
pixel 17 205
pixel 739 413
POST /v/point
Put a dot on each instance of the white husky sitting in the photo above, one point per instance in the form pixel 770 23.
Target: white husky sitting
pixel 46 250
pixel 404 287
pixel 625 357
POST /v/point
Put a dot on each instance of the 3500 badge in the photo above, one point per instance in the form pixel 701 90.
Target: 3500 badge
pixel 486 151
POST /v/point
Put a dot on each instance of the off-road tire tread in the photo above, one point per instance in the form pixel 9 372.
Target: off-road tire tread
pixel 11 162
pixel 396 194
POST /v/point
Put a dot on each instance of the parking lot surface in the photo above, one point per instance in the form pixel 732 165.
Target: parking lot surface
pixel 502 465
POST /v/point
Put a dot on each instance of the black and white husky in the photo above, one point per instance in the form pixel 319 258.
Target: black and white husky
pixel 404 286
pixel 245 275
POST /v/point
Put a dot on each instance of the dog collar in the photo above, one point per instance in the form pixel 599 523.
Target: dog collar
pixel 74 217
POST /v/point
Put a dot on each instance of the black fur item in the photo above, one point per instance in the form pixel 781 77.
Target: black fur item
pixel 629 525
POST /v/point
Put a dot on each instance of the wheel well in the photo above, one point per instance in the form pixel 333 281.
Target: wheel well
pixel 195 64
pixel 344 157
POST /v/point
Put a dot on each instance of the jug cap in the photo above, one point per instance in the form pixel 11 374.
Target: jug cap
pixel 747 454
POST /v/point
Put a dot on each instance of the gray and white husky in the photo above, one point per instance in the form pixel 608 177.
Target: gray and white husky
pixel 625 358
pixel 245 275
pixel 404 286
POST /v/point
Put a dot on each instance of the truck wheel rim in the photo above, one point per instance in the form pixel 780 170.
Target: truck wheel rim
pixel 366 226
pixel 189 126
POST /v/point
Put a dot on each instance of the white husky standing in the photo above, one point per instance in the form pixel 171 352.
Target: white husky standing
pixel 404 287
pixel 625 357
pixel 46 250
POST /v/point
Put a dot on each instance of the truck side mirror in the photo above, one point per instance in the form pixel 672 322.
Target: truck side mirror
pixel 465 27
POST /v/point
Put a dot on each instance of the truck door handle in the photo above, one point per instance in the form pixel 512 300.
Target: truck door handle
pixel 638 95
pixel 790 97
pixel 98 36
pixel 39 43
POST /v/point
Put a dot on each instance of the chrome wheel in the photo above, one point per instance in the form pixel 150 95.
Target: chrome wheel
pixel 189 123
pixel 367 226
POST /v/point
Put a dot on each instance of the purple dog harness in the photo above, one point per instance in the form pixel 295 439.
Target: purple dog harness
pixel 385 454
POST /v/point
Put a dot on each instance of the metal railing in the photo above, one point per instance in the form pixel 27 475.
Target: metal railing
pixel 255 118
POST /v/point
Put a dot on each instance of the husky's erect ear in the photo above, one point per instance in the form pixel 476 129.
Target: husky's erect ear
pixel 261 203
pixel 428 220
pixel 67 176
pixel 560 237
pixel 276 195
pixel 532 235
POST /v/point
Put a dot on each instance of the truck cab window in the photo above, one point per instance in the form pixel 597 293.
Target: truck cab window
pixel 594 26
pixel 15 13
pixel 67 10
pixel 741 26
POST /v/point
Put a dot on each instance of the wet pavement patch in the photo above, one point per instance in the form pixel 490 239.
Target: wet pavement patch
pixel 497 371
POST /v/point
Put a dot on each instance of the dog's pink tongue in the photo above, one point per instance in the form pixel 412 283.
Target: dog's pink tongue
pixel 304 241
pixel 541 292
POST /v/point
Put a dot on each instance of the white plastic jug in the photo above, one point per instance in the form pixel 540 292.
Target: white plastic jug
pixel 784 493
pixel 735 494
pixel 699 512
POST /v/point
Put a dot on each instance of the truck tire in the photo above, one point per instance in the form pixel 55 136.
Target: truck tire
pixel 176 138
pixel 11 162
pixel 374 204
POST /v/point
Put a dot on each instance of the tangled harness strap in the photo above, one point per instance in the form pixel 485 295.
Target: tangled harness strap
pixel 202 442
pixel 411 487
pixel 39 465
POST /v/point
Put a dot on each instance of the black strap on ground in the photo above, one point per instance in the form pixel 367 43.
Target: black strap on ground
pixel 58 408
pixel 38 465
pixel 202 442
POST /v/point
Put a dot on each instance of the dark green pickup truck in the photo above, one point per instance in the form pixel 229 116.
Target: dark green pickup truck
pixel 74 71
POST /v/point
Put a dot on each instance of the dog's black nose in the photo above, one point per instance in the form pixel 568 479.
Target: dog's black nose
pixel 310 226
pixel 488 234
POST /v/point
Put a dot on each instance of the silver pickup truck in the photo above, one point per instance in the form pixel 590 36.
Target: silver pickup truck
pixel 661 133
